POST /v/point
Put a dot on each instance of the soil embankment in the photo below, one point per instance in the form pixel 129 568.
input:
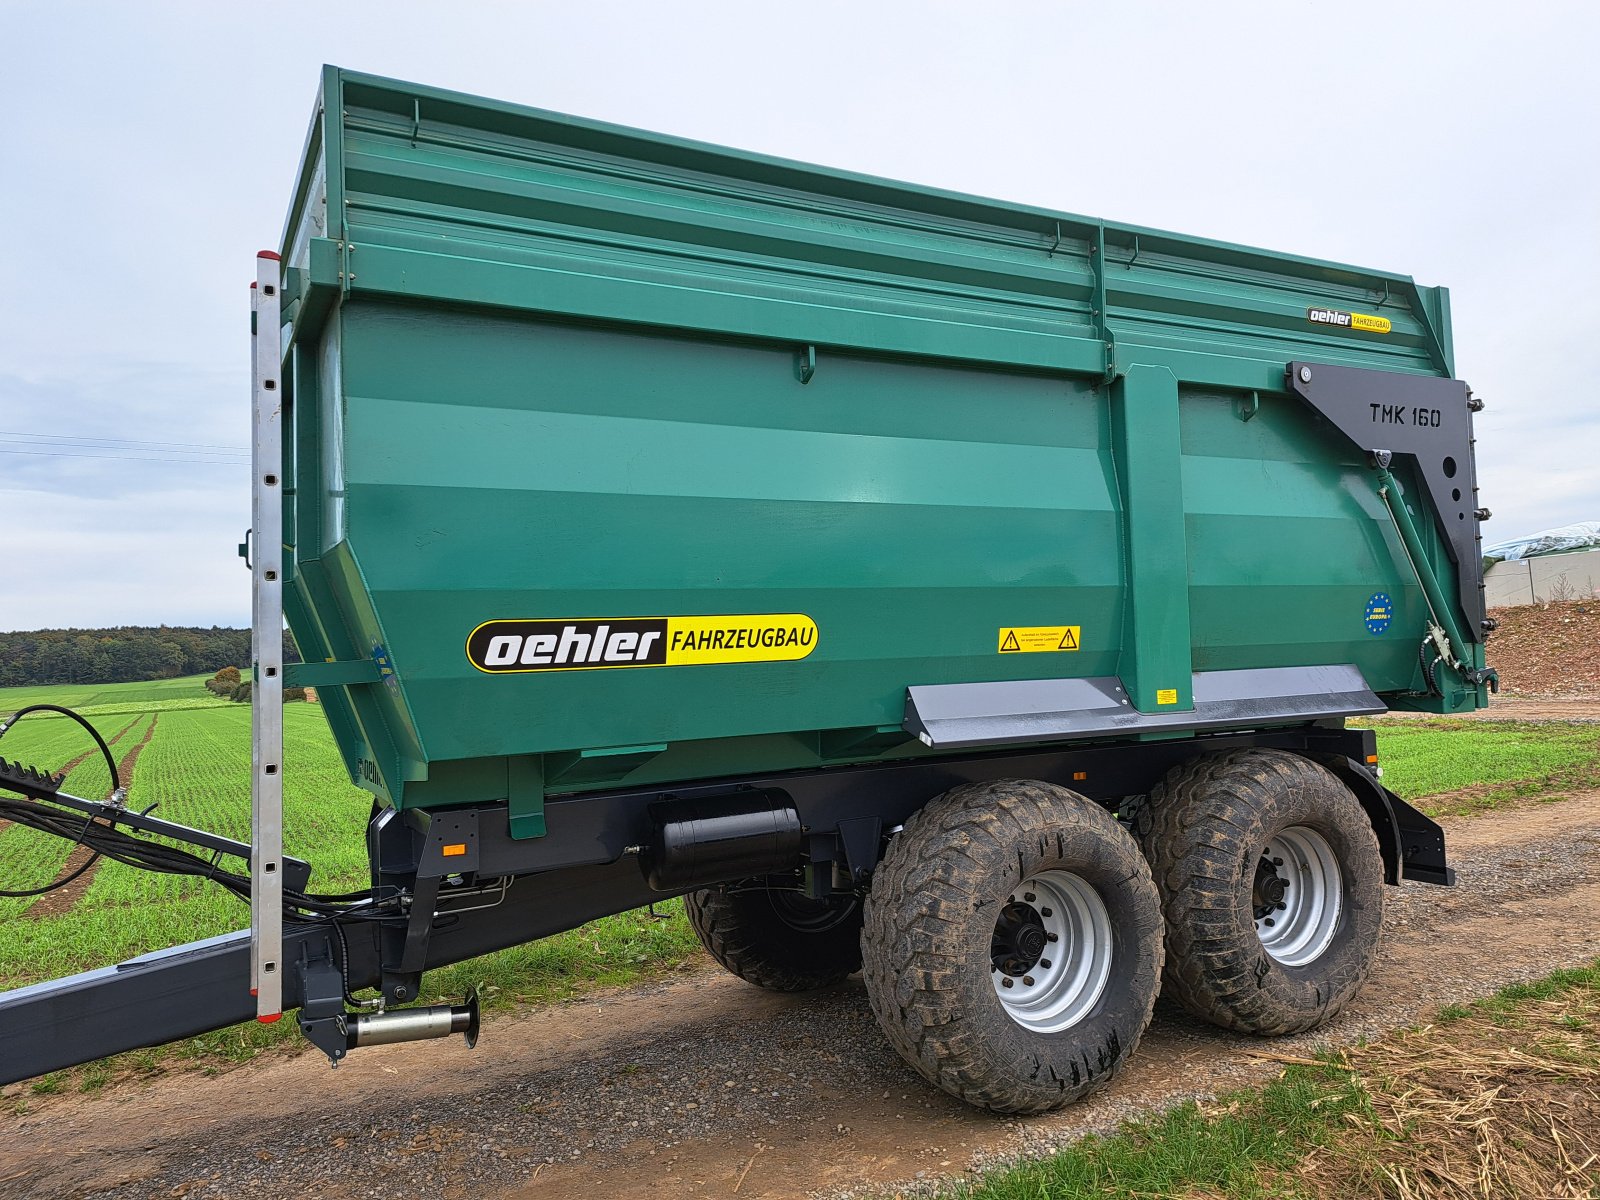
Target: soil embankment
pixel 1550 651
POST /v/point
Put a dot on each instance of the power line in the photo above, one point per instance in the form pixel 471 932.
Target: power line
pixel 58 448
pixel 128 443
pixel 131 458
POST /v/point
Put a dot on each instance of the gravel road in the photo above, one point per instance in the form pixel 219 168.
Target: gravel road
pixel 706 1086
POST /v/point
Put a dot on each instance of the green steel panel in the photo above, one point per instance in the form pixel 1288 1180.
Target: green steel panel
pixel 548 369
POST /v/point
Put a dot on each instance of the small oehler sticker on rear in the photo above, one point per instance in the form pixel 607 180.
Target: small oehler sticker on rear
pixel 1340 319
pixel 505 647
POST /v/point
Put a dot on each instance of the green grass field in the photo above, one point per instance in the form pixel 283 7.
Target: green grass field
pixel 1456 768
pixel 94 695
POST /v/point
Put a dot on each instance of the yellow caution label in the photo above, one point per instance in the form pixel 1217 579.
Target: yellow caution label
pixel 1167 696
pixel 590 643
pixel 1038 639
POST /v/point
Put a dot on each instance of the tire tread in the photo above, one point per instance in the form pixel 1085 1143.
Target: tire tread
pixel 921 900
pixel 758 952
pixel 1200 811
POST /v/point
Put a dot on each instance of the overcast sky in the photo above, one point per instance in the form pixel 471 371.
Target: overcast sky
pixel 147 151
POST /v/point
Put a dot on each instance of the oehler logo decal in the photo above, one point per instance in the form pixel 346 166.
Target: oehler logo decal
pixel 503 647
pixel 1340 319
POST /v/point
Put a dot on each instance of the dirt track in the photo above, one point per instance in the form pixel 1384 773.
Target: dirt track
pixel 1521 708
pixel 705 1086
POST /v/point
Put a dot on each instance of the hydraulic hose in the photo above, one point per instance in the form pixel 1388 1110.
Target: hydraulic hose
pixel 117 794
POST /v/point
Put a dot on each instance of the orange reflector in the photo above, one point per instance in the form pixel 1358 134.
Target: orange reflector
pixel 1077 775
pixel 268 1020
pixel 1372 758
pixel 454 850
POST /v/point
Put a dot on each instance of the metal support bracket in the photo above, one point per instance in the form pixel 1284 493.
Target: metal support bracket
pixel 1429 420
pixel 332 674
pixel 805 363
pixel 859 837
pixel 322 1012
pixel 449 846
pixel 1100 314
pixel 266 622
pixel 1421 845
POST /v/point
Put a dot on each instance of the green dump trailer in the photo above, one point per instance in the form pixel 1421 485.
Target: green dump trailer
pixel 967 594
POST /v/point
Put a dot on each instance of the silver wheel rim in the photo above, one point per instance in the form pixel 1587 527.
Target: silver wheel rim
pixel 1298 896
pixel 1058 986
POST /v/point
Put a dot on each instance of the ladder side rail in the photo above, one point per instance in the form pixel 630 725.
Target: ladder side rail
pixel 266 617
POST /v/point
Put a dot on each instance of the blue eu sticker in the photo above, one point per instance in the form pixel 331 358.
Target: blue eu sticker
pixel 385 667
pixel 1379 612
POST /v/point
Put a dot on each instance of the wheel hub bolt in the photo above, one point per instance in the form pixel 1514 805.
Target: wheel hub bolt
pixel 1045 912
pixel 1028 896
pixel 1006 982
pixel 1028 980
pixel 1045 963
pixel 1050 937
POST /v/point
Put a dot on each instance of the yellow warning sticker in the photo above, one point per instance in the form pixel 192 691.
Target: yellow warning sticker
pixel 1167 696
pixel 500 647
pixel 1038 639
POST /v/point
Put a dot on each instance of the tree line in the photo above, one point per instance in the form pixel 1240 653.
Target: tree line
pixel 126 654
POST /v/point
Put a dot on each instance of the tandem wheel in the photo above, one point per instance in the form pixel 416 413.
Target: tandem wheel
pixel 1012 945
pixel 778 940
pixel 1271 884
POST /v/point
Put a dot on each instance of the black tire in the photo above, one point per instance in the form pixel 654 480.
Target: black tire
pixel 778 940
pixel 931 930
pixel 1204 830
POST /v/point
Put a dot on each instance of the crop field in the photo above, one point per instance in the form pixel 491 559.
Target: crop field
pixel 84 696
